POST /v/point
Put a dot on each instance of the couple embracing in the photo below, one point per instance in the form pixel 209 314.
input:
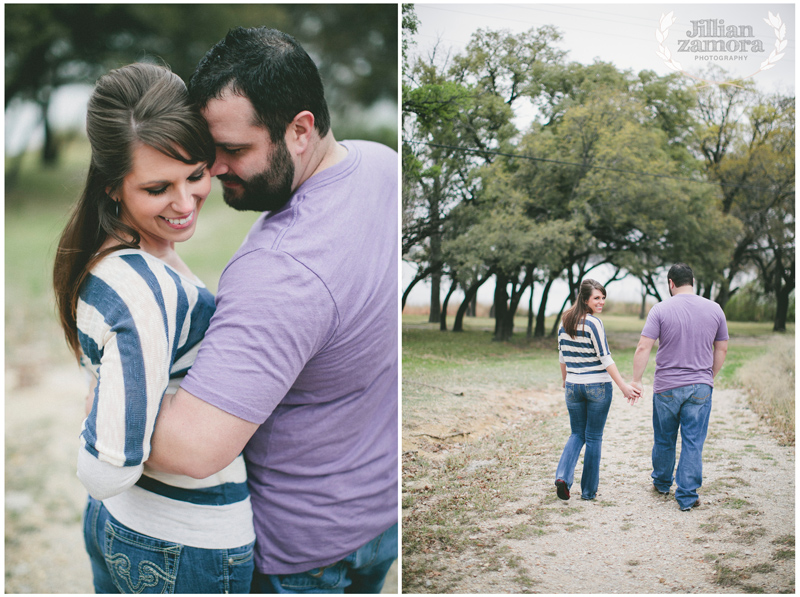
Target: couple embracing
pixel 693 341
pixel 246 441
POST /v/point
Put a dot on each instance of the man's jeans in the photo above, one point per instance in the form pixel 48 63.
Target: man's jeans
pixel 363 571
pixel 687 408
pixel 588 406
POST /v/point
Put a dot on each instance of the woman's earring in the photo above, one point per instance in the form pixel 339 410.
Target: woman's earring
pixel 117 204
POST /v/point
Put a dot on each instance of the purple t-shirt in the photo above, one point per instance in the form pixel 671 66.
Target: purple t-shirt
pixel 686 327
pixel 304 341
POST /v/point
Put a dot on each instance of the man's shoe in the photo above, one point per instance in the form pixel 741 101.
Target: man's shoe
pixel 561 489
pixel 661 492
pixel 687 508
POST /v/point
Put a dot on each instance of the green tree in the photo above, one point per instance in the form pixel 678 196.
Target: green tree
pixel 746 140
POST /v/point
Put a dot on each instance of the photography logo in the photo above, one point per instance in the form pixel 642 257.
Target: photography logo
pixel 737 47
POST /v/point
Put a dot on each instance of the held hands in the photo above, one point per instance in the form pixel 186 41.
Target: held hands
pixel 637 388
pixel 631 392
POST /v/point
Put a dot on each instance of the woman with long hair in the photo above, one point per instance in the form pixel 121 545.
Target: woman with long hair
pixel 134 315
pixel 587 371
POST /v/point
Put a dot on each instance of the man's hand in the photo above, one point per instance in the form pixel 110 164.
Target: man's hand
pixel 640 388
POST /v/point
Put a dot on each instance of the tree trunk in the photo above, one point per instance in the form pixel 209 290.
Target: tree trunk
pixel 643 309
pixel 436 253
pixel 443 320
pixel 557 322
pixel 781 309
pixel 529 332
pixel 539 332
pixel 724 294
pixel 472 308
pixel 501 333
pixel 458 324
pixel 435 308
pixel 50 148
pixel 418 278
pixel 784 287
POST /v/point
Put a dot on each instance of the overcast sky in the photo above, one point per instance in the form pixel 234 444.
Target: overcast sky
pixel 623 34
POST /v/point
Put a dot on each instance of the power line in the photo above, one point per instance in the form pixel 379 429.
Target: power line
pixel 591 167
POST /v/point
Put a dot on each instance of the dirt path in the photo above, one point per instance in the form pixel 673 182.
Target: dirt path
pixel 630 540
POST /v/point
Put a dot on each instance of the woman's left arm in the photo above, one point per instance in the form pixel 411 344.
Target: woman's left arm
pixel 631 393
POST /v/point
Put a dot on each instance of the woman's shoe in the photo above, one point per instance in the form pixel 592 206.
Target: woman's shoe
pixel 561 489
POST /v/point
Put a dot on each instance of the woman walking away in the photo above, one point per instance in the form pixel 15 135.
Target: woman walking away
pixel 134 315
pixel 587 370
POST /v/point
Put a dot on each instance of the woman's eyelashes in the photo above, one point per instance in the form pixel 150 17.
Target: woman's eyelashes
pixel 161 190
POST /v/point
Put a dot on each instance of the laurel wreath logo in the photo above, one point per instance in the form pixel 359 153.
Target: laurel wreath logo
pixel 668 19
pixel 780 44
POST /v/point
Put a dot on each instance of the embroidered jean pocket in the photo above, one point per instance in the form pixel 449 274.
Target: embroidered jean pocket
pixel 138 563
pixel 571 394
pixel 596 392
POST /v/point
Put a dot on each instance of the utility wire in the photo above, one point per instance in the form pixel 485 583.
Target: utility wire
pixel 563 163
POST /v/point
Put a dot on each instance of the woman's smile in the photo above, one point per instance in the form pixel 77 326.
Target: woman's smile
pixel 179 223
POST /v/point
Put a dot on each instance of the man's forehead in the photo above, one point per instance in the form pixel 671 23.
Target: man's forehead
pixel 230 107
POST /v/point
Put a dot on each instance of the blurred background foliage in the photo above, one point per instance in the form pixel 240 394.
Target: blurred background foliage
pixel 53 49
pixel 50 46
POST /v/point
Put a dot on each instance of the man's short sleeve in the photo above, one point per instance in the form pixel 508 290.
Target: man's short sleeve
pixel 273 315
pixel 652 327
pixel 722 329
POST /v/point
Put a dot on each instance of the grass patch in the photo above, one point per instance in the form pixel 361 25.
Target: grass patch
pixel 769 381
pixel 726 577
pixel 784 554
pixel 734 503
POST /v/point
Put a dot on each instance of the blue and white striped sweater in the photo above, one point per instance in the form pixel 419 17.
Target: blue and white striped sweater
pixel 140 324
pixel 587 355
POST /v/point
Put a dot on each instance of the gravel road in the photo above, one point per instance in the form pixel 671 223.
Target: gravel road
pixel 631 539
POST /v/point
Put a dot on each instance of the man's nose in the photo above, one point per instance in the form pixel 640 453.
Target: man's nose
pixel 219 167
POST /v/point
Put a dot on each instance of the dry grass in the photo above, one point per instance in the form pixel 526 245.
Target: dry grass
pixel 769 381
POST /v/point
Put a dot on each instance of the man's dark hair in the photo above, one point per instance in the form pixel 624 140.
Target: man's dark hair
pixel 681 274
pixel 272 70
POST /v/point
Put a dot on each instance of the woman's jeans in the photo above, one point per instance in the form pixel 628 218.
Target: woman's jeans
pixel 687 408
pixel 588 406
pixel 124 561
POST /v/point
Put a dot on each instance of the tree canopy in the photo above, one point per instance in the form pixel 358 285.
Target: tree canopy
pixel 633 171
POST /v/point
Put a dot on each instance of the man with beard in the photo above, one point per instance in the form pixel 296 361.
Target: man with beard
pixel 692 339
pixel 299 367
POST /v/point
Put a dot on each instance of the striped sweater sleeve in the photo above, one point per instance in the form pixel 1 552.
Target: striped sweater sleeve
pixel 127 316
pixel 598 335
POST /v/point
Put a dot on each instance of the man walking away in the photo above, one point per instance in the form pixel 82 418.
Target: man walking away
pixel 692 343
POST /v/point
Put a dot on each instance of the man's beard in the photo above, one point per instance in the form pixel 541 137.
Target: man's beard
pixel 266 191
